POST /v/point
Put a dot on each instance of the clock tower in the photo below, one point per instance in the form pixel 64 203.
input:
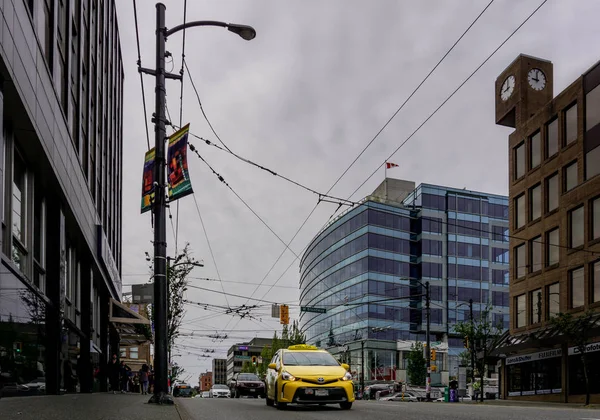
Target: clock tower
pixel 522 90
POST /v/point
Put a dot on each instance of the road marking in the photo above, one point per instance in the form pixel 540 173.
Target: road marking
pixel 584 418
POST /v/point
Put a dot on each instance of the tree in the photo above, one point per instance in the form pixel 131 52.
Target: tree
pixel 176 372
pixel 296 336
pixel 416 369
pixel 465 360
pixel 577 331
pixel 248 367
pixel 331 337
pixel 483 337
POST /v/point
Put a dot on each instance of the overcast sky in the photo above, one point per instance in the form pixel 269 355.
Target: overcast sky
pixel 303 98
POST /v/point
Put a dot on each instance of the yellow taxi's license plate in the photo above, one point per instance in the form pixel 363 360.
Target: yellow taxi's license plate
pixel 321 392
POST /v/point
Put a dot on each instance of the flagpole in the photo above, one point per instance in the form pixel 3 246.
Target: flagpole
pixel 385 180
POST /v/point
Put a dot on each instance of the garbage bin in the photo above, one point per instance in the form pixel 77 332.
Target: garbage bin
pixel 453 395
pixel 446 394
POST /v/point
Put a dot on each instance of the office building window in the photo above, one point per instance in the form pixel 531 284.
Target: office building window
pixel 595 281
pixel 520 313
pixel 553 299
pixel 535 151
pixel 535 202
pixel 519 159
pixel 576 288
pixel 592 163
pixel 576 227
pixel 520 216
pixel 552 192
pixel 535 303
pixel 520 261
pixel 552 247
pixel 570 176
pixel 39 239
pixel 595 228
pixel 19 212
pixel 552 138
pixel 535 255
pixel 571 124
pixel 592 108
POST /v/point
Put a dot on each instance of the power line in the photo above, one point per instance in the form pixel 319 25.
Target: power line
pixel 451 95
pixel 139 64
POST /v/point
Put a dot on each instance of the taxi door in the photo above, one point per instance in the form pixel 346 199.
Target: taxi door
pixel 272 376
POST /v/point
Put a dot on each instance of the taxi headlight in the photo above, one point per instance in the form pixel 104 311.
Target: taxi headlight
pixel 347 377
pixel 286 376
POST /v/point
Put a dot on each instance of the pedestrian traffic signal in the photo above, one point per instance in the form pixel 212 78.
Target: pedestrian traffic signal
pixel 18 346
pixel 254 359
pixel 284 314
pixel 433 355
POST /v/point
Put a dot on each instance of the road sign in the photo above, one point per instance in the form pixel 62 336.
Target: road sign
pixel 312 309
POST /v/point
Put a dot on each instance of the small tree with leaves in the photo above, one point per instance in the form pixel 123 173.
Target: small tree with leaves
pixel 416 368
pixel 248 367
pixel 577 330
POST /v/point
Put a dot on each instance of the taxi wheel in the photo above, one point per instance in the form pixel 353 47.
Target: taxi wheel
pixel 279 405
pixel 346 405
pixel 269 401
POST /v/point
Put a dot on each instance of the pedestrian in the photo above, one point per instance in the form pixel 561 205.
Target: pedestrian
pixel 124 374
pixel 70 379
pixel 113 370
pixel 145 378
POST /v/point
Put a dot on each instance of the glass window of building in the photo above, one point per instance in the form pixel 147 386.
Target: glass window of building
pixel 570 176
pixel 571 124
pixel 552 138
pixel 520 313
pixel 519 160
pixel 553 299
pixel 552 192
pixel 39 239
pixel 535 150
pixel 595 273
pixel 535 302
pixel 576 286
pixel 592 163
pixel 592 108
pixel 595 228
pixel 535 202
pixel 123 351
pixel 133 352
pixel 536 254
pixel 520 210
pixel 19 211
pixel 576 227
pixel 520 261
pixel 552 247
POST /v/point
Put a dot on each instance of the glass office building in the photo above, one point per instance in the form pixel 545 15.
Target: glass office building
pixel 366 269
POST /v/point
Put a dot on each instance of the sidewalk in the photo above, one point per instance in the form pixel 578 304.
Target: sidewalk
pixel 99 406
pixel 515 403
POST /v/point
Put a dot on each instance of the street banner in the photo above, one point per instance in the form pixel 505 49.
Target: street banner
pixel 177 168
pixel 148 181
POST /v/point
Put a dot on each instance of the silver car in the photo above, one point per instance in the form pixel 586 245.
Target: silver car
pixel 220 391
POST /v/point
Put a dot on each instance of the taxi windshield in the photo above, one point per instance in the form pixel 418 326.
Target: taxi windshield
pixel 309 358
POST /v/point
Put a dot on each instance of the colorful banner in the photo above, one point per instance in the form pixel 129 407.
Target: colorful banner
pixel 178 175
pixel 148 181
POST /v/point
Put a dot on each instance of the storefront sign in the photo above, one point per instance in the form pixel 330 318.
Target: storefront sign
pixel 524 358
pixel 590 348
pixel 105 255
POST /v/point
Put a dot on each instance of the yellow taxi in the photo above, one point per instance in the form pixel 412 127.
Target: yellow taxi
pixel 303 374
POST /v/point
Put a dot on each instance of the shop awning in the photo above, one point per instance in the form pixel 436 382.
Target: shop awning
pixel 129 324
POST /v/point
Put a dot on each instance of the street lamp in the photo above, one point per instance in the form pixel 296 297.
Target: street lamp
pixel 160 229
pixel 471 349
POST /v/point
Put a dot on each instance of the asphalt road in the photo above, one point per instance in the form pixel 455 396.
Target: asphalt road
pixel 251 409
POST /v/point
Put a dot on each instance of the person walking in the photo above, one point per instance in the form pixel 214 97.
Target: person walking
pixel 145 378
pixel 113 370
pixel 124 374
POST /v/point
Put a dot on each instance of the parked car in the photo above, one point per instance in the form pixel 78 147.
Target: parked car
pixel 220 391
pixel 205 394
pixel 400 396
pixel 247 384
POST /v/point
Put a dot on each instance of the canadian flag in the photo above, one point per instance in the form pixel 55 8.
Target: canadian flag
pixel 389 165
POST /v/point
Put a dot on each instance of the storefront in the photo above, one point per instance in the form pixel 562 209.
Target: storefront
pixel 535 373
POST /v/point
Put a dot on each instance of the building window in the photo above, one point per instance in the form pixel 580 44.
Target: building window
pixel 552 138
pixel 576 286
pixel 576 227
pixel 519 160
pixel 552 247
pixel 535 151
pixel 592 163
pixel 39 239
pixel 520 216
pixel 553 299
pixel 520 261
pixel 552 192
pixel 19 212
pixel 133 352
pixel 592 108
pixel 535 202
pixel 570 176
pixel 571 124
pixel 123 352
pixel 535 303
pixel 520 313
pixel 535 255
pixel 595 228
pixel 595 273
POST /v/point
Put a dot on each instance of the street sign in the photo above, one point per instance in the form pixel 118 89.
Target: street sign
pixel 312 309
pixel 275 311
pixel 142 293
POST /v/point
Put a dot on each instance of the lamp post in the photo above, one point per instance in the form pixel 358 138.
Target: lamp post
pixel 472 341
pixel 159 208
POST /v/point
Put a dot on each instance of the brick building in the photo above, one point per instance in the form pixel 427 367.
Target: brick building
pixel 554 193
pixel 205 381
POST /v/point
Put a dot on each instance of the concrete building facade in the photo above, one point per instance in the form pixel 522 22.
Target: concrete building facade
pixel 241 353
pixel 219 371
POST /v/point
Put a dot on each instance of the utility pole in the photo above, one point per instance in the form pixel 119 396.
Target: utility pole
pixel 472 344
pixel 362 376
pixel 428 358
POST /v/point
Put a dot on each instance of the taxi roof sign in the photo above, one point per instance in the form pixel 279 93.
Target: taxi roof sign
pixel 302 347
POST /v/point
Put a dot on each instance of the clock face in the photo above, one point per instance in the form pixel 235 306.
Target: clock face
pixel 507 88
pixel 536 79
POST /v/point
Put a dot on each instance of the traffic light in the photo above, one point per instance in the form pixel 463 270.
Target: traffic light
pixel 433 355
pixel 284 314
pixel 466 342
pixel 18 346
